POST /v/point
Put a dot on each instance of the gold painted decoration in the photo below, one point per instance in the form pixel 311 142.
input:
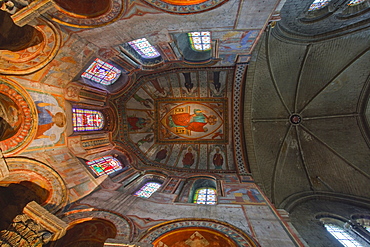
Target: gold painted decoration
pixel 197 232
pixel 185 7
pixel 17 119
pixel 78 15
pixel 35 57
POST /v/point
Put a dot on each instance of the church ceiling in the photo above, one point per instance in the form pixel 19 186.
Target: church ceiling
pixel 306 116
pixel 179 120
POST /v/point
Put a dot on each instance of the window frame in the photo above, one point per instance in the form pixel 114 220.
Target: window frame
pixel 99 161
pixel 84 128
pixel 99 65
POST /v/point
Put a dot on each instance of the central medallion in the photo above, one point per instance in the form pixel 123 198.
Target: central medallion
pixel 191 120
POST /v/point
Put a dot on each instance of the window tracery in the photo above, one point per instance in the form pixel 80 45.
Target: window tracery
pixel 341 235
pixel 102 72
pixel 318 4
pixel 87 120
pixel 104 165
pixel 200 41
pixel 148 189
pixel 205 196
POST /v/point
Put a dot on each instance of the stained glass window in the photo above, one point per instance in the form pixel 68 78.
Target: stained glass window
pixel 87 120
pixel 355 2
pixel 148 189
pixel 144 48
pixel 318 4
pixel 200 41
pixel 342 236
pixel 104 165
pixel 102 72
pixel 205 196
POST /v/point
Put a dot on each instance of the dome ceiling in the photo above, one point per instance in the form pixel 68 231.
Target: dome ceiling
pixel 306 118
pixel 179 120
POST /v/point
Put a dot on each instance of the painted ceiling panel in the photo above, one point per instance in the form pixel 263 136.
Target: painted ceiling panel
pixel 179 120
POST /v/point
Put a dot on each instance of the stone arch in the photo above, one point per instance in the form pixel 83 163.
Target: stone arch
pixel 16 122
pixel 123 226
pixel 90 232
pixel 40 174
pixel 189 229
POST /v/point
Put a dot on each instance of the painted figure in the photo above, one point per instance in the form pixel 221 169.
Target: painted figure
pixel 194 122
pixel 148 138
pixel 145 102
pixel 161 155
pixel 188 159
pixel 137 123
pixel 10 118
pixel 47 119
pixel 218 160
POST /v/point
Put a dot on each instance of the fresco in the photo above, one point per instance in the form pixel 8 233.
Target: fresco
pixel 33 58
pixel 51 120
pixel 196 122
pixel 241 194
pixel 179 120
pixel 194 237
pixel 16 124
pixel 11 117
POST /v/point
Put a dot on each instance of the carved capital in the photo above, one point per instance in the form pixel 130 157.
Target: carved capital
pixel 44 218
pixel 4 169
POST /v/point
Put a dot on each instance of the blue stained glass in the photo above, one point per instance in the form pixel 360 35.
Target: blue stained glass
pixel 148 189
pixel 144 48
pixel 342 236
pixel 355 2
pixel 104 165
pixel 102 72
pixel 200 41
pixel 205 196
pixel 318 4
pixel 87 120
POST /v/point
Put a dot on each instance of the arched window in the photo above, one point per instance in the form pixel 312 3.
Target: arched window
pixel 318 4
pixel 87 120
pixel 148 189
pixel 104 165
pixel 144 48
pixel 102 72
pixel 342 235
pixel 355 2
pixel 205 195
pixel 200 41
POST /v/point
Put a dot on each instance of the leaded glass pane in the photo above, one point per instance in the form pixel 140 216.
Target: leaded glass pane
pixel 148 189
pixel 104 165
pixel 87 120
pixel 318 4
pixel 200 41
pixel 144 48
pixel 342 236
pixel 102 72
pixel 205 196
pixel 355 2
